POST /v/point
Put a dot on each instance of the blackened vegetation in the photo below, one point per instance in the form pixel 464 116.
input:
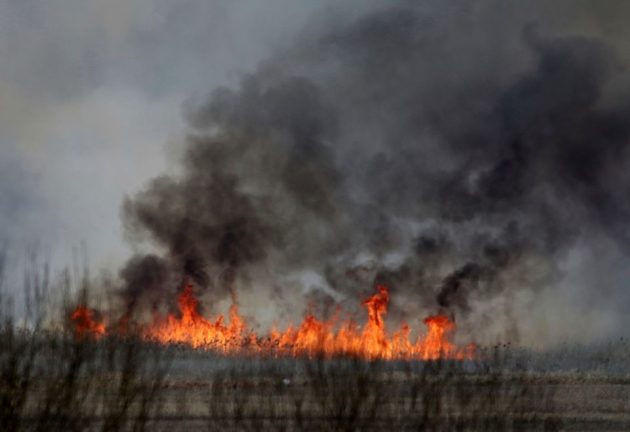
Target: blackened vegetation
pixel 367 135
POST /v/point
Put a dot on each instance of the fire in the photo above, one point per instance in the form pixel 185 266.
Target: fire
pixel 194 330
pixel 315 337
pixel 85 323
pixel 312 337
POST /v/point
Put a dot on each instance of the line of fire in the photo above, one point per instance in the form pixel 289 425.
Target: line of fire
pixel 337 336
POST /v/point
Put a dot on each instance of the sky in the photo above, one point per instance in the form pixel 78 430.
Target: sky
pixel 92 95
pixel 99 97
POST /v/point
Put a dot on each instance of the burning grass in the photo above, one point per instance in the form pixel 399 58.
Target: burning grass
pixel 313 337
pixel 55 381
pixel 54 378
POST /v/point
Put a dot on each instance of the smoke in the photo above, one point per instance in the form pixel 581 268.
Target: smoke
pixel 456 154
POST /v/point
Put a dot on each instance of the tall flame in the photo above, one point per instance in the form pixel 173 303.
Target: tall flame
pixel 194 330
pixel 312 337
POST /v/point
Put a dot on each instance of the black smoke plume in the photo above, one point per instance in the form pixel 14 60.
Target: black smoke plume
pixel 456 159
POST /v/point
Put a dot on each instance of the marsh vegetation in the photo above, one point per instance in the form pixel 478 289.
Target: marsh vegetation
pixel 51 379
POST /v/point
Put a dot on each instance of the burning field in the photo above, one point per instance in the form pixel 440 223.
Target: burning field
pixel 91 377
pixel 334 337
pixel 186 371
pixel 401 215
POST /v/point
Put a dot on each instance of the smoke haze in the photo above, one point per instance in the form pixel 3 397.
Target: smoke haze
pixel 472 156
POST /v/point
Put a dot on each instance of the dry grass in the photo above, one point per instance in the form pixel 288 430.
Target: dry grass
pixel 353 395
pixel 50 380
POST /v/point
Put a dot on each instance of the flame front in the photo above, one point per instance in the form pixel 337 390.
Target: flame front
pixel 85 323
pixel 312 338
pixel 193 329
pixel 315 337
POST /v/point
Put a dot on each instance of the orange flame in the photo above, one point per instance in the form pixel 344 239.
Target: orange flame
pixel 85 323
pixel 313 337
pixel 194 330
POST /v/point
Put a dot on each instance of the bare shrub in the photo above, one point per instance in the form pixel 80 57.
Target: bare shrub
pixel 54 380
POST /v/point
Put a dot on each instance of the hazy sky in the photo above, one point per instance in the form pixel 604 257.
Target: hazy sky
pixel 92 95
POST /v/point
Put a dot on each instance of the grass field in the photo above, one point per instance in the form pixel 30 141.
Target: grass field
pixel 52 380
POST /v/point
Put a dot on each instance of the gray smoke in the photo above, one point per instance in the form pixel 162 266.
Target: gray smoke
pixel 456 158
